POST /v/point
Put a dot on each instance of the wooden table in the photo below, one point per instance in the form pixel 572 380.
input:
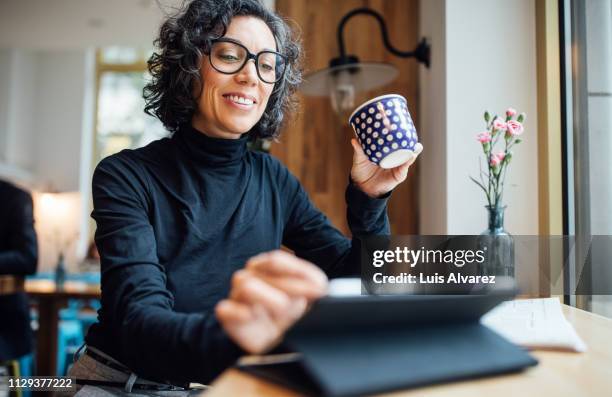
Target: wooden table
pixel 558 373
pixel 50 300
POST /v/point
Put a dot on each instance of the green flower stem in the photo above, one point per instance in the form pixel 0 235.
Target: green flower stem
pixel 496 175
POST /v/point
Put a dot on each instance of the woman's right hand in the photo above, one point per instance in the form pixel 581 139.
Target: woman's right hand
pixel 268 296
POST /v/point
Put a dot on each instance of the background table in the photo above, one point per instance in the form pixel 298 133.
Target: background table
pixel 558 373
pixel 50 300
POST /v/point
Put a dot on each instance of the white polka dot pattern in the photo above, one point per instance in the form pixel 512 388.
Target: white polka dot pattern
pixel 384 126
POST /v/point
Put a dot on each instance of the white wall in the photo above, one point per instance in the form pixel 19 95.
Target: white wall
pixel 59 126
pixel 43 122
pixel 17 96
pixel 487 52
pixel 22 107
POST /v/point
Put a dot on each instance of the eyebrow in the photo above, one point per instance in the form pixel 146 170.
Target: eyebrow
pixel 241 43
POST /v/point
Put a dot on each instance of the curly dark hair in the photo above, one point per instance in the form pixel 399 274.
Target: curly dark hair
pixel 183 40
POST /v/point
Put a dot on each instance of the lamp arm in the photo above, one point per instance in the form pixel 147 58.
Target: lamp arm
pixel 421 52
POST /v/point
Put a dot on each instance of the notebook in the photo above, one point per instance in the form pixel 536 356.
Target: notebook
pixel 358 345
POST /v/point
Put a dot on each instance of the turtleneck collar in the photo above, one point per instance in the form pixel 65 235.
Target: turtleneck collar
pixel 204 149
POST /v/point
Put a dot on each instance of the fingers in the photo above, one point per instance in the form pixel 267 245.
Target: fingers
pixel 358 155
pixel 229 311
pixel 250 326
pixel 264 302
pixel 290 274
pixel 252 291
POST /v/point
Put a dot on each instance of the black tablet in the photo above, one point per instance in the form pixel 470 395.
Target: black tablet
pixel 372 311
pixel 357 345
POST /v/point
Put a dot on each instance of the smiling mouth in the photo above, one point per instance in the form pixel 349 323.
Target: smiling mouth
pixel 239 100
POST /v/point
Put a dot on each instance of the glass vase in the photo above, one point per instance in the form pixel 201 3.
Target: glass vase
pixel 498 246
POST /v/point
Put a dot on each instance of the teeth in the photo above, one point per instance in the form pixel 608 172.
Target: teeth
pixel 241 100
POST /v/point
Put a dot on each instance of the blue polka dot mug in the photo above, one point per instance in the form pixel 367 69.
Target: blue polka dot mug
pixel 385 130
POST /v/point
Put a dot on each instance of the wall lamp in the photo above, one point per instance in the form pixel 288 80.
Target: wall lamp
pixel 346 75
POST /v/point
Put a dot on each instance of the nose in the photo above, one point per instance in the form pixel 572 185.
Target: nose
pixel 248 74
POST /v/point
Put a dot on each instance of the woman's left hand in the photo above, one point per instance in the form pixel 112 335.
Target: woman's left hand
pixel 374 180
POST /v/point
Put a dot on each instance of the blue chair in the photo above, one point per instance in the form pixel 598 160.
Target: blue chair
pixel 70 335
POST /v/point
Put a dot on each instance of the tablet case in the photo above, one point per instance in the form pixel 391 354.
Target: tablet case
pixel 371 344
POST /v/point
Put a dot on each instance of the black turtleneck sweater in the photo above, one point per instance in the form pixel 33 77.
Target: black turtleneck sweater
pixel 174 220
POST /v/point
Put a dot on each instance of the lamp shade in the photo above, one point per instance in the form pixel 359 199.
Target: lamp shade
pixel 363 76
pixel 57 221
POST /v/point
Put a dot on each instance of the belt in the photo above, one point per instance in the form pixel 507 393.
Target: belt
pixel 136 386
pixel 11 285
pixel 121 368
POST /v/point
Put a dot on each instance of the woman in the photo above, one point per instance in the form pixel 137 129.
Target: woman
pixel 189 227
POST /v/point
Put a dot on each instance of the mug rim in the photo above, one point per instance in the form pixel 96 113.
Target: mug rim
pixel 378 98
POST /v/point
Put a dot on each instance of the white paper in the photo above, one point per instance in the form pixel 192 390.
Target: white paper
pixel 535 324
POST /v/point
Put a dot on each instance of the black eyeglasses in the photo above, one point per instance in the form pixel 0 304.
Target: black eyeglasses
pixel 228 57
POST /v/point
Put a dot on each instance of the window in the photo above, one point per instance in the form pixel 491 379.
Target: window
pixel 120 119
pixel 586 47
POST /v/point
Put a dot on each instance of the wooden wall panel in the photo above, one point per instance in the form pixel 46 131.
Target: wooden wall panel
pixel 316 144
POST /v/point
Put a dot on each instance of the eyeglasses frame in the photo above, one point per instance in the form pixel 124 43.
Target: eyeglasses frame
pixel 249 56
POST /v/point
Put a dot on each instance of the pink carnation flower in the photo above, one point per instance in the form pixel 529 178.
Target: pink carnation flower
pixel 514 127
pixel 499 124
pixel 484 137
pixel 510 112
pixel 497 158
